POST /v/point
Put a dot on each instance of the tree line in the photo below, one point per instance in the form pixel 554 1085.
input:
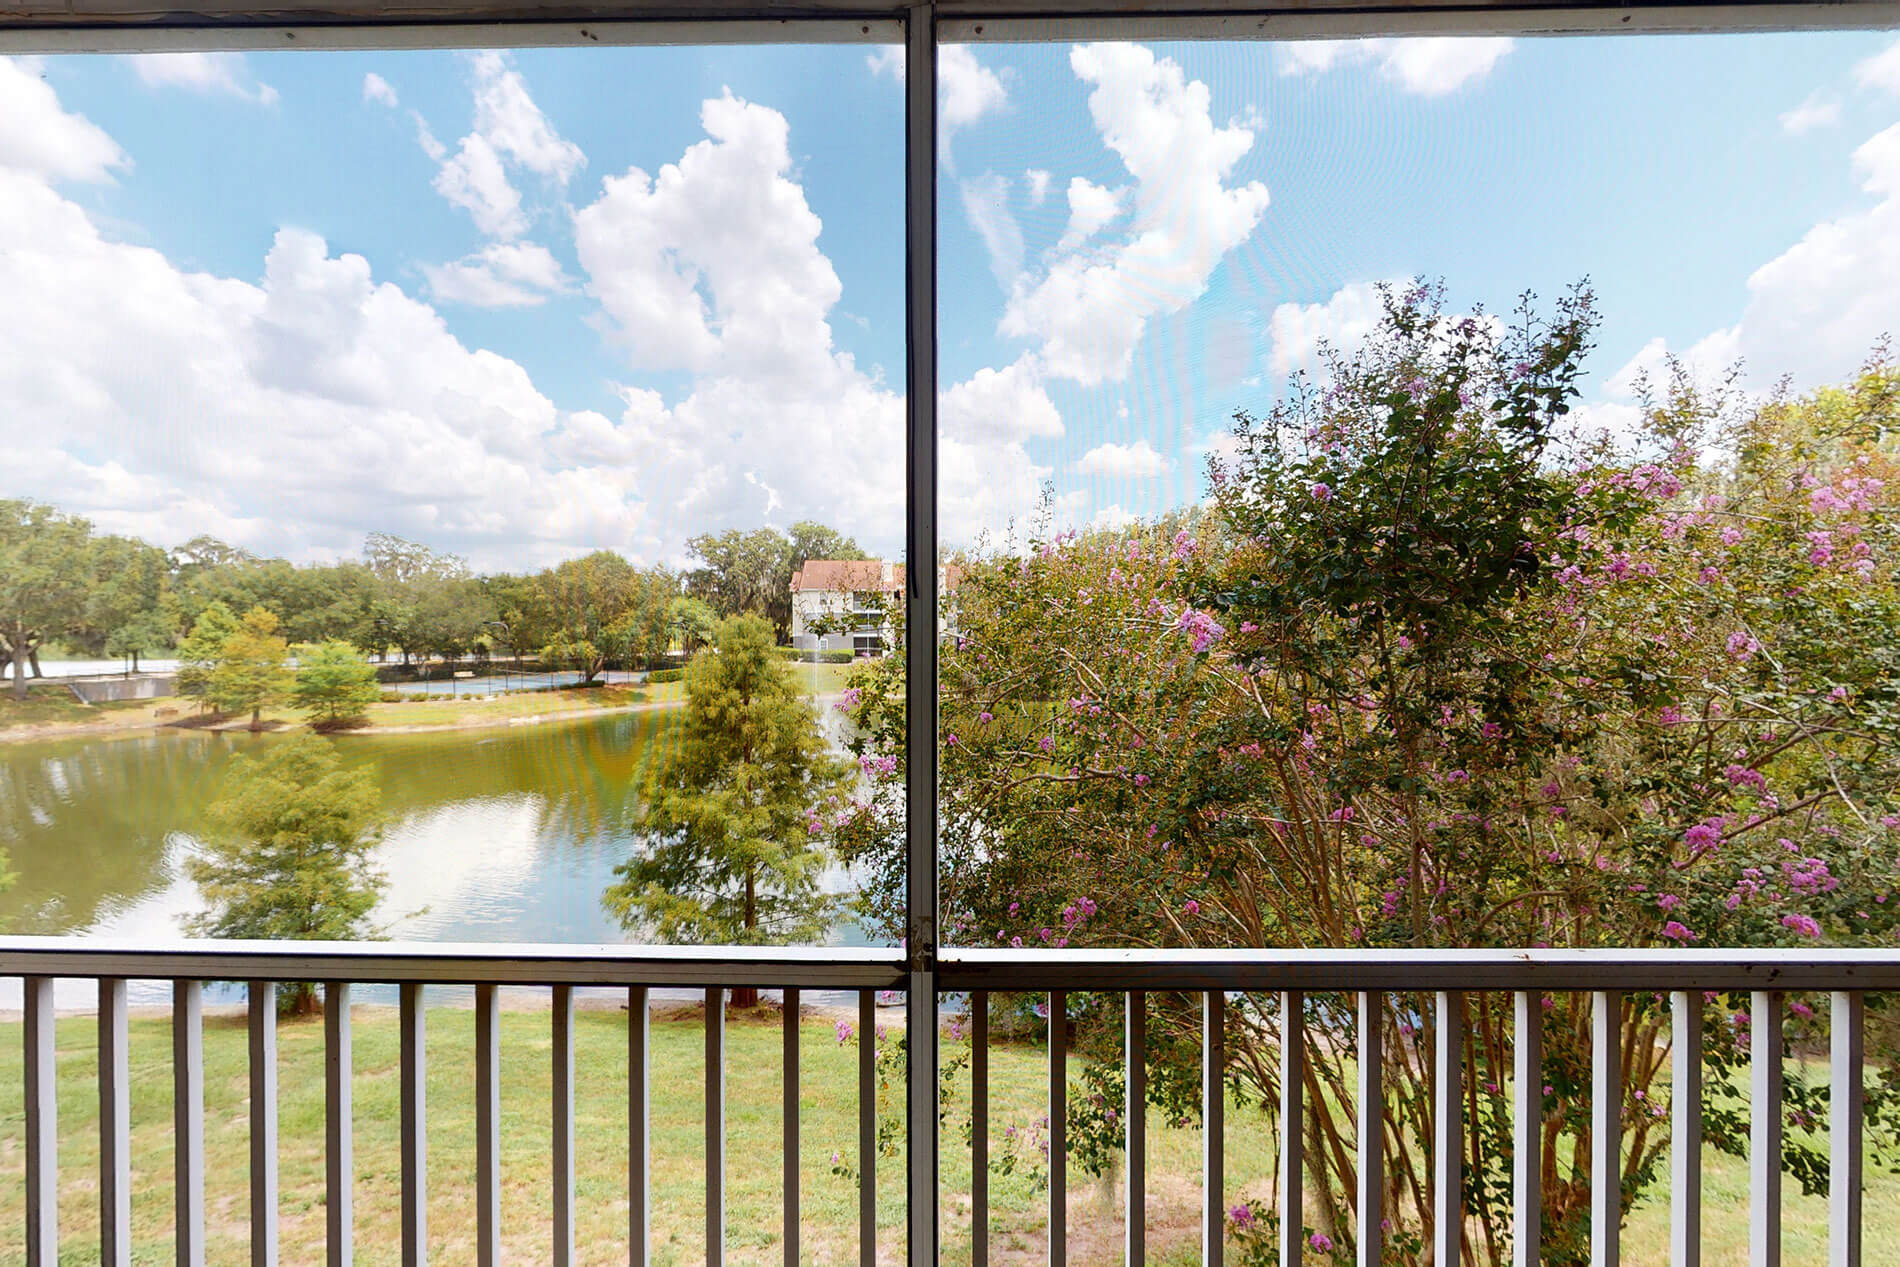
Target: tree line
pixel 64 584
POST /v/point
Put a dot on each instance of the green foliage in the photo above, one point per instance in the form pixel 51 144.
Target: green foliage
pixel 1431 672
pixel 662 676
pixel 290 858
pixel 203 647
pixel 334 683
pixel 46 567
pixel 752 571
pixel 250 669
pixel 735 810
pixel 692 620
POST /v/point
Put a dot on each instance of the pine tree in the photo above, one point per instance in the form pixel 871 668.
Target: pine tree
pixel 733 807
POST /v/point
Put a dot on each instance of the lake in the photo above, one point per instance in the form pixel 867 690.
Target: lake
pixel 503 835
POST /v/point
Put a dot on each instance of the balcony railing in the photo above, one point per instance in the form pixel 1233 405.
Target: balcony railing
pixel 1607 976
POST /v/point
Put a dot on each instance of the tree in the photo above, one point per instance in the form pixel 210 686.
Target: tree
pixel 203 647
pixel 334 684
pixel 1426 673
pixel 752 571
pixel 744 572
pixel 250 671
pixel 735 811
pixel 603 610
pixel 124 613
pixel 45 572
pixel 692 622
pixel 290 857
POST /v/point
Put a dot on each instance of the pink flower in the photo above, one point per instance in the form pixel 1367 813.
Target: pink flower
pixel 844 1032
pixel 1247 626
pixel 985 718
pixel 1677 932
pixel 1321 493
pixel 1704 836
pixel 1321 1242
pixel 1241 1216
pixel 1741 646
pixel 1802 924
pixel 1191 907
pixel 1668 902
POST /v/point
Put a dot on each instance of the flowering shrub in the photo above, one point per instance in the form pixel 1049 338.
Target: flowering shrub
pixel 1431 671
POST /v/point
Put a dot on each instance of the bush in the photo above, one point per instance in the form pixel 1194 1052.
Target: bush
pixel 392 697
pixel 666 675
pixel 816 657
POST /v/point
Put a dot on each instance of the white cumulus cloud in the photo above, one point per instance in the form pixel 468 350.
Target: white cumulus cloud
pixel 711 266
pixel 1137 461
pixel 1427 66
pixel 1091 304
pixel 376 89
pixel 38 136
pixel 510 131
pixel 1881 71
pixel 1820 110
pixel 1296 331
pixel 212 74
pixel 500 275
pixel 986 206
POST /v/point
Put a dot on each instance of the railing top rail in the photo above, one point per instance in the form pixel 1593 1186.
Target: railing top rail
pixel 1591 969
pixel 457 963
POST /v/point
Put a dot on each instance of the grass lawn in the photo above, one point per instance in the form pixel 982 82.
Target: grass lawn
pixel 57 706
pixel 1018 1081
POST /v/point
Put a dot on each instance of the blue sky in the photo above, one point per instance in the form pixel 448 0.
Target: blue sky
pixel 525 304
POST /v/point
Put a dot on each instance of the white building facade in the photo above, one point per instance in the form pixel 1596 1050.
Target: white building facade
pixel 852 604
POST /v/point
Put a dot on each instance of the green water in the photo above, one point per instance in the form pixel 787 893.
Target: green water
pixel 496 835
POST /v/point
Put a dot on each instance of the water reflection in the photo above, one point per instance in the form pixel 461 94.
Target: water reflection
pixel 505 835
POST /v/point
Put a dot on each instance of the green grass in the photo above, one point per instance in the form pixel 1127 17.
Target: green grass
pixel 754 1193
pixel 46 704
pixel 829 1123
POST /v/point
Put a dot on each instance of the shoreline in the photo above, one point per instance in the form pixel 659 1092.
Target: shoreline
pixel 143 722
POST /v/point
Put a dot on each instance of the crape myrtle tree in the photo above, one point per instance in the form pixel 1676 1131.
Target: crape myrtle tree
pixel 735 807
pixel 1429 672
pixel 289 857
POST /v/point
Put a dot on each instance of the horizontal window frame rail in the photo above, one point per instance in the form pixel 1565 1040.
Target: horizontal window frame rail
pixel 89 26
pixel 1398 971
pixel 959 970
pixel 458 963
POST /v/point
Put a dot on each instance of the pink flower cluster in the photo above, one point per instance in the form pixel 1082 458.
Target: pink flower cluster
pixel 1202 630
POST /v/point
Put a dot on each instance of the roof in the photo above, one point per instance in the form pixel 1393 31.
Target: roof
pixel 184 24
pixel 859 576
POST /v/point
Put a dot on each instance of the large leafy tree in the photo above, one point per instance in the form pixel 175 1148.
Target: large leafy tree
pixel 601 609
pixel 290 857
pixel 752 571
pixel 1430 673
pixel 46 573
pixel 124 612
pixel 734 810
pixel 250 671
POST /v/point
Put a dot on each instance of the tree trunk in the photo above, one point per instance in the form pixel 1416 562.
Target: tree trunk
pixel 33 657
pixel 257 718
pixel 746 995
pixel 19 670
